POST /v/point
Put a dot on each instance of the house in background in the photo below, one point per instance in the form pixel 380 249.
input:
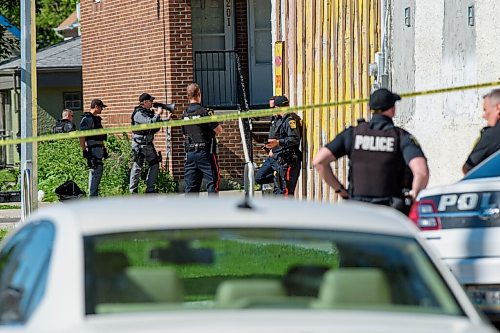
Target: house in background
pixel 59 77
pixel 160 46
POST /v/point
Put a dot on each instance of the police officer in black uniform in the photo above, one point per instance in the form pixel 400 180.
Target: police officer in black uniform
pixel 65 124
pixel 93 146
pixel 142 144
pixel 489 142
pixel 201 146
pixel 284 141
pixel 379 153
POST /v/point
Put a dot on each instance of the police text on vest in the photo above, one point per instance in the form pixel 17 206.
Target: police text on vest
pixel 374 143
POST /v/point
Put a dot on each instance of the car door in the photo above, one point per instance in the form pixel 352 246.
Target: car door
pixel 24 266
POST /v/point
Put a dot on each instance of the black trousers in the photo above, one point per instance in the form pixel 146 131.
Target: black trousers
pixel 286 178
pixel 201 165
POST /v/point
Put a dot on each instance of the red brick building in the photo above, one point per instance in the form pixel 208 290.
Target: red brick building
pixel 159 46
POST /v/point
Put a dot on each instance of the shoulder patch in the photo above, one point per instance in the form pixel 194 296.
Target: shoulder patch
pixel 292 123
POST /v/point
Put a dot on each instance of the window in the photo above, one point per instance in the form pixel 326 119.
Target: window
pixel 232 268
pixel 73 100
pixel 24 264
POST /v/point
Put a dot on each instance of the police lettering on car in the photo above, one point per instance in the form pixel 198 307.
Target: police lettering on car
pixel 143 144
pixel 93 146
pixel 385 160
pixel 200 143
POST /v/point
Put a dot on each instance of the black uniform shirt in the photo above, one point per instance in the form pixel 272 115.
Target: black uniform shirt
pixel 342 144
pixel 63 126
pixel 195 110
pixel 488 143
pixel 287 132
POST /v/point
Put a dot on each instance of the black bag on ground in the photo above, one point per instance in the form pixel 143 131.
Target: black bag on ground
pixel 69 190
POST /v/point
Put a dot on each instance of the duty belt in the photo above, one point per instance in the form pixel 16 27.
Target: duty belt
pixel 196 146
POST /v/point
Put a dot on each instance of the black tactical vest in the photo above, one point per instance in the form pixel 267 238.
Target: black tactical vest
pixel 96 120
pixel 146 113
pixel 377 164
pixel 201 133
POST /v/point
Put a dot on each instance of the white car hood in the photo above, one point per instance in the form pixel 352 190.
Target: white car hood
pixel 284 321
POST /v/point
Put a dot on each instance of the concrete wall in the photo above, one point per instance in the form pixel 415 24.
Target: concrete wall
pixel 448 52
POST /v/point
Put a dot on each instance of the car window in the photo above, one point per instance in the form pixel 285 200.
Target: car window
pixel 487 169
pixel 261 268
pixel 24 262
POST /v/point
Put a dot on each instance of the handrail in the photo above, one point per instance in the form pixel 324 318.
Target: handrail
pixel 246 133
pixel 27 195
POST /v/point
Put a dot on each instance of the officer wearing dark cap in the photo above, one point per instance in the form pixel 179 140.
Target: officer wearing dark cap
pixel 284 141
pixel 489 142
pixel 379 154
pixel 200 145
pixel 142 144
pixel 93 146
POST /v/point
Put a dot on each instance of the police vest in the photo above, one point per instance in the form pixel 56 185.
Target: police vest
pixel 62 126
pixel 146 113
pixel 377 164
pixel 96 121
pixel 201 133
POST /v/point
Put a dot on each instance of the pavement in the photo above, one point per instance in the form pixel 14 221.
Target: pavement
pixel 9 217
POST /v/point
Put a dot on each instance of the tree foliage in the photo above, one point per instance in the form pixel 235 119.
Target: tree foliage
pixel 49 14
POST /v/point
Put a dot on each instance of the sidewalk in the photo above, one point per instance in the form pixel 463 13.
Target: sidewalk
pixel 9 217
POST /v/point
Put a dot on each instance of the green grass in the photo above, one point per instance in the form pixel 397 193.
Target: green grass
pixel 10 207
pixel 232 260
pixel 3 233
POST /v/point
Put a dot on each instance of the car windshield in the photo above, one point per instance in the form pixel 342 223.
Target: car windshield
pixel 487 169
pixel 221 269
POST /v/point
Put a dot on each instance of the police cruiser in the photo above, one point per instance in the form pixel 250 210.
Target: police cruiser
pixel 462 222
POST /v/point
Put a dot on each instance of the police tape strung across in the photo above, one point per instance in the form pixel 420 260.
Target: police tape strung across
pixel 228 116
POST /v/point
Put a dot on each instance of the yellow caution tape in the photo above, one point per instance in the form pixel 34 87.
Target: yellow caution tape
pixel 227 116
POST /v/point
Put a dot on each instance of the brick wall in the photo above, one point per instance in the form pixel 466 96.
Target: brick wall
pixel 132 47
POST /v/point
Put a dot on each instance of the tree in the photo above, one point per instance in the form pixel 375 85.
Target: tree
pixel 49 14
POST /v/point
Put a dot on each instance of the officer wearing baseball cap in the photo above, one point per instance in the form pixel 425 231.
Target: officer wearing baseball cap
pixel 93 146
pixel 143 144
pixel 284 139
pixel 384 159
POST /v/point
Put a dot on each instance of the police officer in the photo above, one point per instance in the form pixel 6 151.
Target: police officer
pixel 265 174
pixel 93 146
pixel 489 142
pixel 200 145
pixel 65 124
pixel 284 141
pixel 379 153
pixel 142 144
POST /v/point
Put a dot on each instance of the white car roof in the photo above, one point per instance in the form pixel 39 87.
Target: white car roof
pixel 118 214
pixel 469 185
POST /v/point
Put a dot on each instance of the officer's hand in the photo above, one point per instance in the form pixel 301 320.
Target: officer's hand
pixel 86 153
pixel 343 194
pixel 169 115
pixel 271 143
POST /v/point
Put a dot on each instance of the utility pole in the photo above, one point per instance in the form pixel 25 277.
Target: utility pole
pixel 29 114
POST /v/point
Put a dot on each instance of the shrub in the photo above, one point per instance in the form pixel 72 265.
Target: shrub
pixel 9 179
pixel 61 160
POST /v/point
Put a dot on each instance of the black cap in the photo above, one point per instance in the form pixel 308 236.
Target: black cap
pixel 383 99
pixel 97 102
pixel 145 97
pixel 281 101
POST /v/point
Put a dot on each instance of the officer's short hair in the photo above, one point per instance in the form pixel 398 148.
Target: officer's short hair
pixel 66 113
pixel 193 90
pixel 494 96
